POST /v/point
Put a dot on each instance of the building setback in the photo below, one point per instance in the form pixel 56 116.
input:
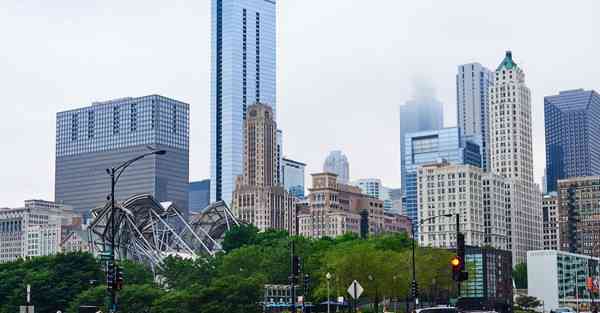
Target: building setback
pixel 91 139
pixel 572 126
pixel 258 197
pixel 243 71
pixel 433 146
pixel 579 215
pixel 473 82
pixel 511 156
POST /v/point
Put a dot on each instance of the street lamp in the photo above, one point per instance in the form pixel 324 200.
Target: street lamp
pixel 115 173
pixel 328 276
pixel 414 276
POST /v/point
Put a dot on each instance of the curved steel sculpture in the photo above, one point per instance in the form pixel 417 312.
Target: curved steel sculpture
pixel 148 231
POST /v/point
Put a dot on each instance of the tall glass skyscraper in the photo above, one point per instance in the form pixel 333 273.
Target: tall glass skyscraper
pixel 198 195
pixel 473 82
pixel 91 139
pixel 243 72
pixel 418 115
pixel 293 177
pixel 432 146
pixel 572 120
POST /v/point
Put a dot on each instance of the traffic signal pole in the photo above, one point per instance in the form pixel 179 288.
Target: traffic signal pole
pixel 457 250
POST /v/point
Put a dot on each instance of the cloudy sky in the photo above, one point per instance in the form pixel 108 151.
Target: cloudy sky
pixel 344 67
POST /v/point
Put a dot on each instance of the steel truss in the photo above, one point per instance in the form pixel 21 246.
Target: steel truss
pixel 148 231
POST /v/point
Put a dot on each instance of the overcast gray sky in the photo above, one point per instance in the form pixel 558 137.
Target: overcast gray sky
pixel 344 67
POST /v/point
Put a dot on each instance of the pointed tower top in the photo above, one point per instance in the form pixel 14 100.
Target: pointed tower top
pixel 508 62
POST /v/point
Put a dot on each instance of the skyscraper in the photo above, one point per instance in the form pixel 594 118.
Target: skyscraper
pixel 572 120
pixel 511 156
pixel 433 146
pixel 243 72
pixel 258 197
pixel 337 163
pixel 293 177
pixel 472 97
pixel 198 195
pixel 421 114
pixel 374 188
pixel 91 139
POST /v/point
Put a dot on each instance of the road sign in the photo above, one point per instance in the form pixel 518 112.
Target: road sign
pixel 26 309
pixel 355 290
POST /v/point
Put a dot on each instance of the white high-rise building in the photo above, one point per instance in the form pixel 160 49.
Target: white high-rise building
pixel 337 163
pixel 472 98
pixel 511 156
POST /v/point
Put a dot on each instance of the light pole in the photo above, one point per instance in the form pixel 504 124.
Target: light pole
pixel 328 276
pixel 414 276
pixel 115 173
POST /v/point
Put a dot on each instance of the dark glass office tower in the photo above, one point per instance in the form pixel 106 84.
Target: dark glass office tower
pixel 91 139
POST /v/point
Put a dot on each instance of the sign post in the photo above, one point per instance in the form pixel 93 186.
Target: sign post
pixel 355 290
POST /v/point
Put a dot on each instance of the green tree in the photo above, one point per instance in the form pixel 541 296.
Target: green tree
pixel 136 273
pixel 179 273
pixel 519 276
pixel 527 302
pixel 239 236
pixel 96 296
pixel 138 298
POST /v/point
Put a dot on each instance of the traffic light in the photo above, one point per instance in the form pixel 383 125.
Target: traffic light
pixel 119 278
pixel 460 249
pixel 295 265
pixel 457 264
pixel 306 284
pixel 110 276
pixel 414 289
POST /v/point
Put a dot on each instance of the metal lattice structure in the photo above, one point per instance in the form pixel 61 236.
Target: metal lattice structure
pixel 148 231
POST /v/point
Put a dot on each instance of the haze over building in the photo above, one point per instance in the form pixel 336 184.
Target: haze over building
pixel 337 163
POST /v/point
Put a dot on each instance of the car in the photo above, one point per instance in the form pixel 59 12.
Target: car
pixel 562 310
pixel 438 309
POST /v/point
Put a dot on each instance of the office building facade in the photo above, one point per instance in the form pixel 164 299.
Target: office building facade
pixel 292 173
pixel 579 215
pixel 511 156
pixel 433 146
pixel 473 82
pixel 243 71
pixel 572 126
pixel 374 188
pixel 258 197
pixel 422 114
pixel 337 163
pixel 91 139
pixel 551 223
pixel 198 195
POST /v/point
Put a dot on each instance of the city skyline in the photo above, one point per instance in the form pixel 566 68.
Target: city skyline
pixel 64 69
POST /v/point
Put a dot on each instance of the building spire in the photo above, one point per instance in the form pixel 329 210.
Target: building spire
pixel 508 62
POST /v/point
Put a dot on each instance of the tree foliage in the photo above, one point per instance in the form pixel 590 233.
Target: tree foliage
pixel 528 302
pixel 519 275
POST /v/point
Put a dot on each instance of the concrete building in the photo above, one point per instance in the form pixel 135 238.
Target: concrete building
pixel 91 139
pixel 258 198
pixel 293 177
pixel 550 218
pixel 433 146
pixel 243 71
pixel 396 223
pixel 337 163
pixel 511 156
pixel 560 279
pixel 33 230
pixel 496 202
pixel 422 114
pixel 334 209
pixel 579 215
pixel 473 83
pixel 374 188
pixel 572 126
pixel 198 195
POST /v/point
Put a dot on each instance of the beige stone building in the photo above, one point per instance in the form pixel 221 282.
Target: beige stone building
pixel 334 209
pixel 550 218
pixel 258 198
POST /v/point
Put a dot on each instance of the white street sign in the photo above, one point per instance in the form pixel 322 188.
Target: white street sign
pixel 355 289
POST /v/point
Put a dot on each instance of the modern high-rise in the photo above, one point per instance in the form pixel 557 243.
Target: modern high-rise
pixel 258 197
pixel 551 222
pixel 572 124
pixel 511 156
pixel 198 195
pixel 243 70
pixel 293 177
pixel 423 113
pixel 579 215
pixel 472 98
pixel 337 163
pixel 374 188
pixel 91 139
pixel 433 146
